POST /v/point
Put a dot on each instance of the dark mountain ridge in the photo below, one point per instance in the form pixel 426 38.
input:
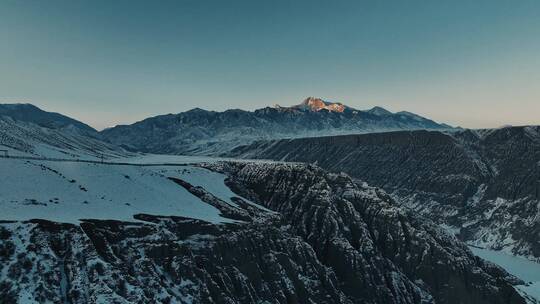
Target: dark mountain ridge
pixel 29 113
pixel 485 183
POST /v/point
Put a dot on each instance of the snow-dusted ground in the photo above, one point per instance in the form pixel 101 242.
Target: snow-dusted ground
pixel 70 191
pixel 167 159
pixel 524 269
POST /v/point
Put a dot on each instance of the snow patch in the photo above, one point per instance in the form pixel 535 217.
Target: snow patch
pixel 524 269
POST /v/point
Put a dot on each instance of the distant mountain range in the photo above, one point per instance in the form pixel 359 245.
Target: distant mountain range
pixel 201 132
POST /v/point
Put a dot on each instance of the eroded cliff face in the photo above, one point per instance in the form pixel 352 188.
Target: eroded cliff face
pixel 324 239
pixel 485 184
pixel 365 237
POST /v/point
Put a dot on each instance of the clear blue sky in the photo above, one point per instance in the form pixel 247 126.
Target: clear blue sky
pixel 468 63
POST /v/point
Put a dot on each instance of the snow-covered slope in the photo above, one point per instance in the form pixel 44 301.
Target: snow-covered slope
pixel 54 171
pixel 25 112
pixel 69 191
pixel 26 130
pixel 29 139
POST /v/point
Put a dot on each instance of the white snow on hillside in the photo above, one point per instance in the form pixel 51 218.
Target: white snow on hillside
pixel 69 191
pixel 524 269
pixel 213 182
pixel 28 139
pixel 77 185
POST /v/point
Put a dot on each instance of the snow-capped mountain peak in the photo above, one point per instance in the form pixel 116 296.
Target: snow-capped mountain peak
pixel 316 104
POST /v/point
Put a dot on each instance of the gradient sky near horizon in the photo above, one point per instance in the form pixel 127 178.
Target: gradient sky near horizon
pixel 469 63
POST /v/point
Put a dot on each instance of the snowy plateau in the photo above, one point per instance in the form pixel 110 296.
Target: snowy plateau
pixel 68 191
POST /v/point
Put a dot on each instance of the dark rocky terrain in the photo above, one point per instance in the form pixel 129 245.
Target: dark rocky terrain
pixel 484 184
pixel 328 240
pixel 210 133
